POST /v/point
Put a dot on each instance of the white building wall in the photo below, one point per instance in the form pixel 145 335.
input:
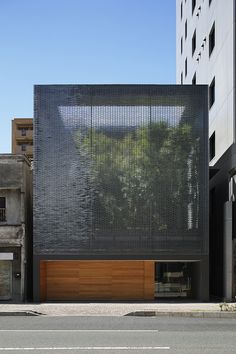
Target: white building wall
pixel 219 65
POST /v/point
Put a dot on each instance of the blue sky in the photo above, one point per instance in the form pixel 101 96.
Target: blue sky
pixel 80 41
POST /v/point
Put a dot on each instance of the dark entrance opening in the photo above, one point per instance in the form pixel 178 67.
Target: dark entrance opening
pixel 173 280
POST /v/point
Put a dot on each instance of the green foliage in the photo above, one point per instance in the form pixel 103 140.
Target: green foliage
pixel 144 178
pixel 227 307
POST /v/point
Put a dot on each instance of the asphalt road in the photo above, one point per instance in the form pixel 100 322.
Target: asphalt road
pixel 102 335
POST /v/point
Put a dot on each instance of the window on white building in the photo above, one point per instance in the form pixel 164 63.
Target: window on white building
pixel 212 146
pixel 212 39
pixel 212 93
pixel 194 42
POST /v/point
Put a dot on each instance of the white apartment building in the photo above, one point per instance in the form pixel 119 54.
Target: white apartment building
pixel 205 54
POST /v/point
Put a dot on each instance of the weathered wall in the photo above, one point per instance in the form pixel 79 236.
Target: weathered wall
pixel 13 205
pixel 11 172
pixel 11 235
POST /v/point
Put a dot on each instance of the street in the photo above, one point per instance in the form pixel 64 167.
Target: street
pixel 95 334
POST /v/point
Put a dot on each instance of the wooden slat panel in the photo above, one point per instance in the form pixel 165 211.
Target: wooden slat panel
pixel 61 288
pixel 62 296
pixel 77 280
pixel 102 272
pixel 62 280
pixel 62 268
pixel 149 280
pixel 93 264
pixel 95 281
pixel 127 280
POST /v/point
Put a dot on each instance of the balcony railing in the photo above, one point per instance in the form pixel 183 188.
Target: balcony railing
pixel 2 214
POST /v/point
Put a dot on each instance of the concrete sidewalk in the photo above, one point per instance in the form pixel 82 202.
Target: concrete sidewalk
pixel 119 309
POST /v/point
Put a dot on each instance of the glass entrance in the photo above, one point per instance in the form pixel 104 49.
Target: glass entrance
pixel 173 280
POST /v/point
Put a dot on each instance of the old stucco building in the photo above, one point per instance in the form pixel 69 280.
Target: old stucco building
pixel 22 136
pixel 15 227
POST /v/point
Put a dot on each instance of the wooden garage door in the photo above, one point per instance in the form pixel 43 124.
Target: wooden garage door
pixel 96 280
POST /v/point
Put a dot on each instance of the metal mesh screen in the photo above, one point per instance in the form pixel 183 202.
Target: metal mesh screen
pixel 120 169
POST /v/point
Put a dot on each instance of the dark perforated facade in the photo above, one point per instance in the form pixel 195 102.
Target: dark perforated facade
pixel 121 171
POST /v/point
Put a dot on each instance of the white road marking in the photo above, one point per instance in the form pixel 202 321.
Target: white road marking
pixel 86 348
pixel 79 330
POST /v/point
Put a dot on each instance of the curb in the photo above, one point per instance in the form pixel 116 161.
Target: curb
pixel 196 314
pixel 20 313
pixel 193 314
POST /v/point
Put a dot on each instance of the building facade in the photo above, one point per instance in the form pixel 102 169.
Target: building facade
pixel 15 227
pixel 22 136
pixel 120 192
pixel 205 53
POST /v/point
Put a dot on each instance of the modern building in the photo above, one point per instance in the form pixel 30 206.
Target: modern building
pixel 120 192
pixel 22 136
pixel 206 55
pixel 15 227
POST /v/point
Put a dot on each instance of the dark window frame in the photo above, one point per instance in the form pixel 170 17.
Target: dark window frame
pixel 194 79
pixel 212 146
pixel 212 94
pixel 181 10
pixel 23 147
pixel 212 40
pixel 181 45
pixel 193 6
pixel 23 131
pixel 186 29
pixel 186 67
pixel 2 209
pixel 194 42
